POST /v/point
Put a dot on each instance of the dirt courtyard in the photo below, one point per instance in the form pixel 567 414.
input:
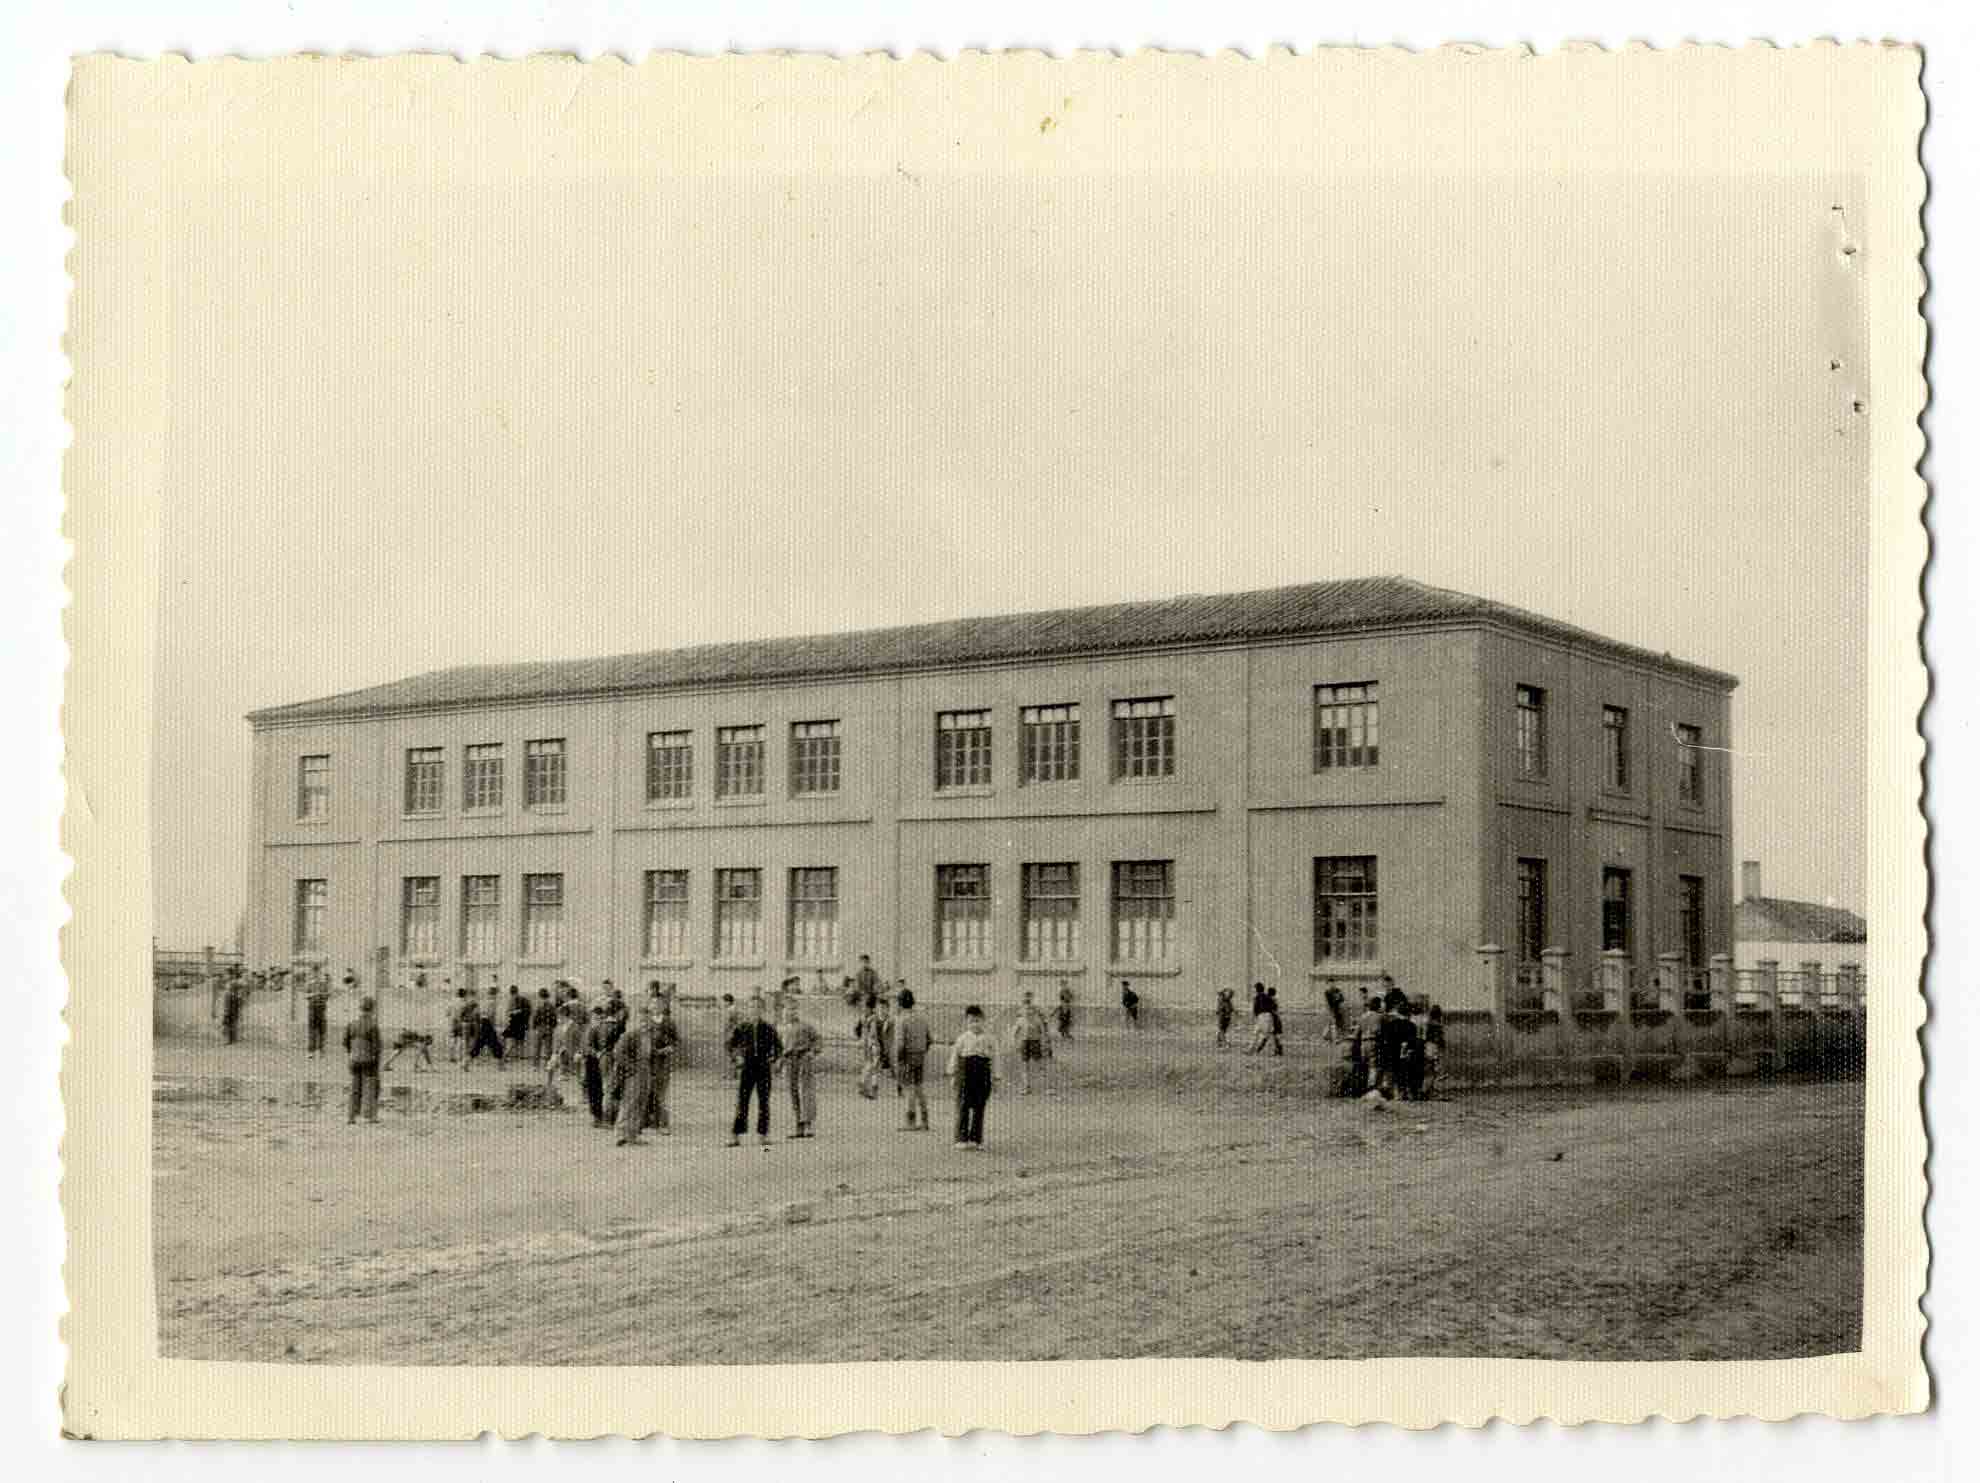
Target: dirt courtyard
pixel 1709 1221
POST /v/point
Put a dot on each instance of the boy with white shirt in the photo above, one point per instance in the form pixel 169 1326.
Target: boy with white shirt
pixel 973 1069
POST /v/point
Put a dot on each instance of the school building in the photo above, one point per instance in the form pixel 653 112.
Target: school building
pixel 1310 785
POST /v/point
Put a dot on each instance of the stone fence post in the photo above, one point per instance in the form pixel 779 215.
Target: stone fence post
pixel 1722 983
pixel 1615 980
pixel 1488 963
pixel 1554 980
pixel 1670 982
pixel 1767 988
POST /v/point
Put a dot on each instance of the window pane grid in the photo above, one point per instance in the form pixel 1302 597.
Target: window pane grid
pixel 1346 726
pixel 481 776
pixel 1691 919
pixel 814 925
pixel 425 771
pixel 669 765
pixel 739 762
pixel 962 749
pixel 543 773
pixel 312 900
pixel 962 911
pixel 815 757
pixel 313 787
pixel 1051 743
pixel 1145 738
pixel 481 917
pixel 1530 930
pixel 543 916
pixel 738 913
pixel 1050 903
pixel 1530 739
pixel 666 914
pixel 1691 766
pixel 1144 910
pixel 1345 909
pixel 1616 923
pixel 419 929
pixel 1615 746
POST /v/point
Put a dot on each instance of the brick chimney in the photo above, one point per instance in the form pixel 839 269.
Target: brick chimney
pixel 1749 880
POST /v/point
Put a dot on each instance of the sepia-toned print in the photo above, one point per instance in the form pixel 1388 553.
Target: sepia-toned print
pixel 892 714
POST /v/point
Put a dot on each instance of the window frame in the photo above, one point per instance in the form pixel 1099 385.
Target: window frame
pixel 471 764
pixel 814 753
pixel 533 917
pixel 1691 921
pixel 679 746
pixel 426 773
pixel 1136 741
pixel 309 917
pixel 733 744
pixel 676 943
pixel 1691 765
pixel 974 940
pixel 1049 735
pixel 306 792
pixel 1626 899
pixel 427 949
pixel 546 772
pixel 1163 933
pixel 1616 771
pixel 1347 924
pixel 1530 748
pixel 725 914
pixel 473 951
pixel 962 751
pixel 801 908
pixel 1065 927
pixel 1356 706
pixel 1530 910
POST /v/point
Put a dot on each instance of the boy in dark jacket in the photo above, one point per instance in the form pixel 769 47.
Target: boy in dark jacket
pixel 366 1047
pixel 755 1047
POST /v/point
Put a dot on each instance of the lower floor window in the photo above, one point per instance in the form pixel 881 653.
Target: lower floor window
pixel 814 925
pixel 738 914
pixel 312 901
pixel 1144 910
pixel 1051 913
pixel 962 911
pixel 543 916
pixel 666 914
pixel 419 917
pixel 1344 908
pixel 481 918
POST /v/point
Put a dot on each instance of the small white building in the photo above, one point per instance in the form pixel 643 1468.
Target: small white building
pixel 1791 933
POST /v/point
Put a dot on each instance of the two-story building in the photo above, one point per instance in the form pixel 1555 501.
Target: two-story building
pixel 1307 785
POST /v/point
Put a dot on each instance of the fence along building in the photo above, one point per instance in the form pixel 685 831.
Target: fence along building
pixel 1310 785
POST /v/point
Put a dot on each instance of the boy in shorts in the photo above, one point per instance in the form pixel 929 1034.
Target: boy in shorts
pixel 1028 1035
pixel 912 1038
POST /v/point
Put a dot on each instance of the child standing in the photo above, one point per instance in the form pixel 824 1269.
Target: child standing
pixel 912 1037
pixel 1028 1035
pixel 1226 1012
pixel 973 1069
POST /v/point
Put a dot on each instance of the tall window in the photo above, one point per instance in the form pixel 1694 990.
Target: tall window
pixel 1050 903
pixel 1344 909
pixel 814 908
pixel 312 904
pixel 1691 765
pixel 481 918
pixel 1051 743
pixel 1530 927
pixel 962 911
pixel 313 787
pixel 739 762
pixel 666 914
pixel 738 914
pixel 1145 738
pixel 543 773
pixel 1615 747
pixel 1144 911
pixel 481 776
pixel 426 771
pixel 815 757
pixel 962 749
pixel 543 916
pixel 1691 919
pixel 1346 726
pixel 1617 927
pixel 669 765
pixel 419 917
pixel 1530 730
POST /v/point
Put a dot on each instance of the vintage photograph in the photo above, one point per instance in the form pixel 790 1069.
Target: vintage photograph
pixel 808 756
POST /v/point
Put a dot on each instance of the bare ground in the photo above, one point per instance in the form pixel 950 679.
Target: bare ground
pixel 1711 1221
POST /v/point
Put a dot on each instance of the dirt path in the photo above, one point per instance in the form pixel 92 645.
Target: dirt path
pixel 1697 1223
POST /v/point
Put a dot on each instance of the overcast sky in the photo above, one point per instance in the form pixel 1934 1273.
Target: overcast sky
pixel 591 413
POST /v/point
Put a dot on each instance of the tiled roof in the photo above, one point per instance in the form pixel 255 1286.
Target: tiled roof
pixel 1777 919
pixel 1312 608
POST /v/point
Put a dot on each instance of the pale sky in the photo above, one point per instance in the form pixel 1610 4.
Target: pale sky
pixel 593 412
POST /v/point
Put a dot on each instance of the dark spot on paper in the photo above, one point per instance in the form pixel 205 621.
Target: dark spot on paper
pixel 1047 124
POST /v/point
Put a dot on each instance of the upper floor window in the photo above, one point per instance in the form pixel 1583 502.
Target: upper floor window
pixel 1145 738
pixel 1346 726
pixel 313 787
pixel 962 749
pixel 669 765
pixel 815 757
pixel 1691 765
pixel 1615 748
pixel 1051 743
pixel 481 776
pixel 739 762
pixel 426 770
pixel 543 773
pixel 1530 730
pixel 1344 908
